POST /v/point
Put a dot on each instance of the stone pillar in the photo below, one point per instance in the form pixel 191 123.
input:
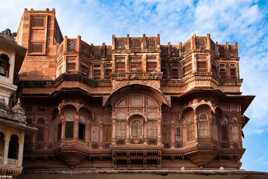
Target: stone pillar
pixel 158 61
pixel 143 63
pixel 195 127
pixel 173 133
pixel 127 133
pixel 113 132
pixel 76 128
pixel 209 63
pixel 87 132
pixel 194 63
pixel 20 156
pixel 63 130
pixel 102 70
pixel 6 147
pixel 145 131
pixel 101 135
pixel 159 132
pixel 113 63
pixel 127 65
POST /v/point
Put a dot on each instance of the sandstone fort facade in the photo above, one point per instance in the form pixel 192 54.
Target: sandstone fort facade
pixel 132 104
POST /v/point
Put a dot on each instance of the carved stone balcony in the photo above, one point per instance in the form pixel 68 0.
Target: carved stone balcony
pixel 72 151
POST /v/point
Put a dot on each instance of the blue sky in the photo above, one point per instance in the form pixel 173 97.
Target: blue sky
pixel 244 21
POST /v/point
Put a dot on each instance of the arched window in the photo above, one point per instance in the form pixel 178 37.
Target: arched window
pixel 4 65
pixel 69 114
pixel 84 116
pixel 2 146
pixel 203 113
pixel 188 118
pixel 136 128
pixel 13 147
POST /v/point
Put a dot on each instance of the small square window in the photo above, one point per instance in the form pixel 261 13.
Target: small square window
pixel 36 47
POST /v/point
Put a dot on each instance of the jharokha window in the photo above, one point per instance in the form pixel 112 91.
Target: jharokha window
pixel 69 114
pixel 203 115
pixel 188 118
pixel 178 137
pixel 37 21
pixel 136 127
pixel 84 118
pixel 135 64
pixel 232 71
pixel 151 63
pixel 4 65
pixel 202 66
pixel 36 47
pixel 222 71
pixel 120 64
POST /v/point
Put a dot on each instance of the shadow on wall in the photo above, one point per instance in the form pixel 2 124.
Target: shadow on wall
pixel 34 75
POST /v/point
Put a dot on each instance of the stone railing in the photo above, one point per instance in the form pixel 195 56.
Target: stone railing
pixel 12 161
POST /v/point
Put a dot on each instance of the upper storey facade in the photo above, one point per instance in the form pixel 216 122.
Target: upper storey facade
pixel 135 103
pixel 173 68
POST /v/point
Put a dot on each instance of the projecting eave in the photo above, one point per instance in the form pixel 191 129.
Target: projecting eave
pixel 244 100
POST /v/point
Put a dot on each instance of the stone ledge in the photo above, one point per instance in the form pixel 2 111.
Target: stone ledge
pixel 142 174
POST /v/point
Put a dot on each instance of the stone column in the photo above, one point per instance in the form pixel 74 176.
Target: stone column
pixel 113 132
pixel 87 132
pixel 158 65
pixel 143 63
pixel 195 127
pixel 102 70
pixel 7 139
pixel 127 133
pixel 194 63
pixel 159 132
pixel 20 156
pixel 101 135
pixel 127 65
pixel 173 133
pixel 76 128
pixel 145 132
pixel 63 130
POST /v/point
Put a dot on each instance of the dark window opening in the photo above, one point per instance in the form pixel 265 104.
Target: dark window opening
pixel 4 65
pixel 37 21
pixel 82 128
pixel 69 129
pixel 13 147
pixel 233 72
pixel 2 144
pixel 202 66
pixel 36 47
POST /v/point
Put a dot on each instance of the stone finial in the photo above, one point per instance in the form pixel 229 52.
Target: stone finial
pixel 19 113
pixel 7 34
